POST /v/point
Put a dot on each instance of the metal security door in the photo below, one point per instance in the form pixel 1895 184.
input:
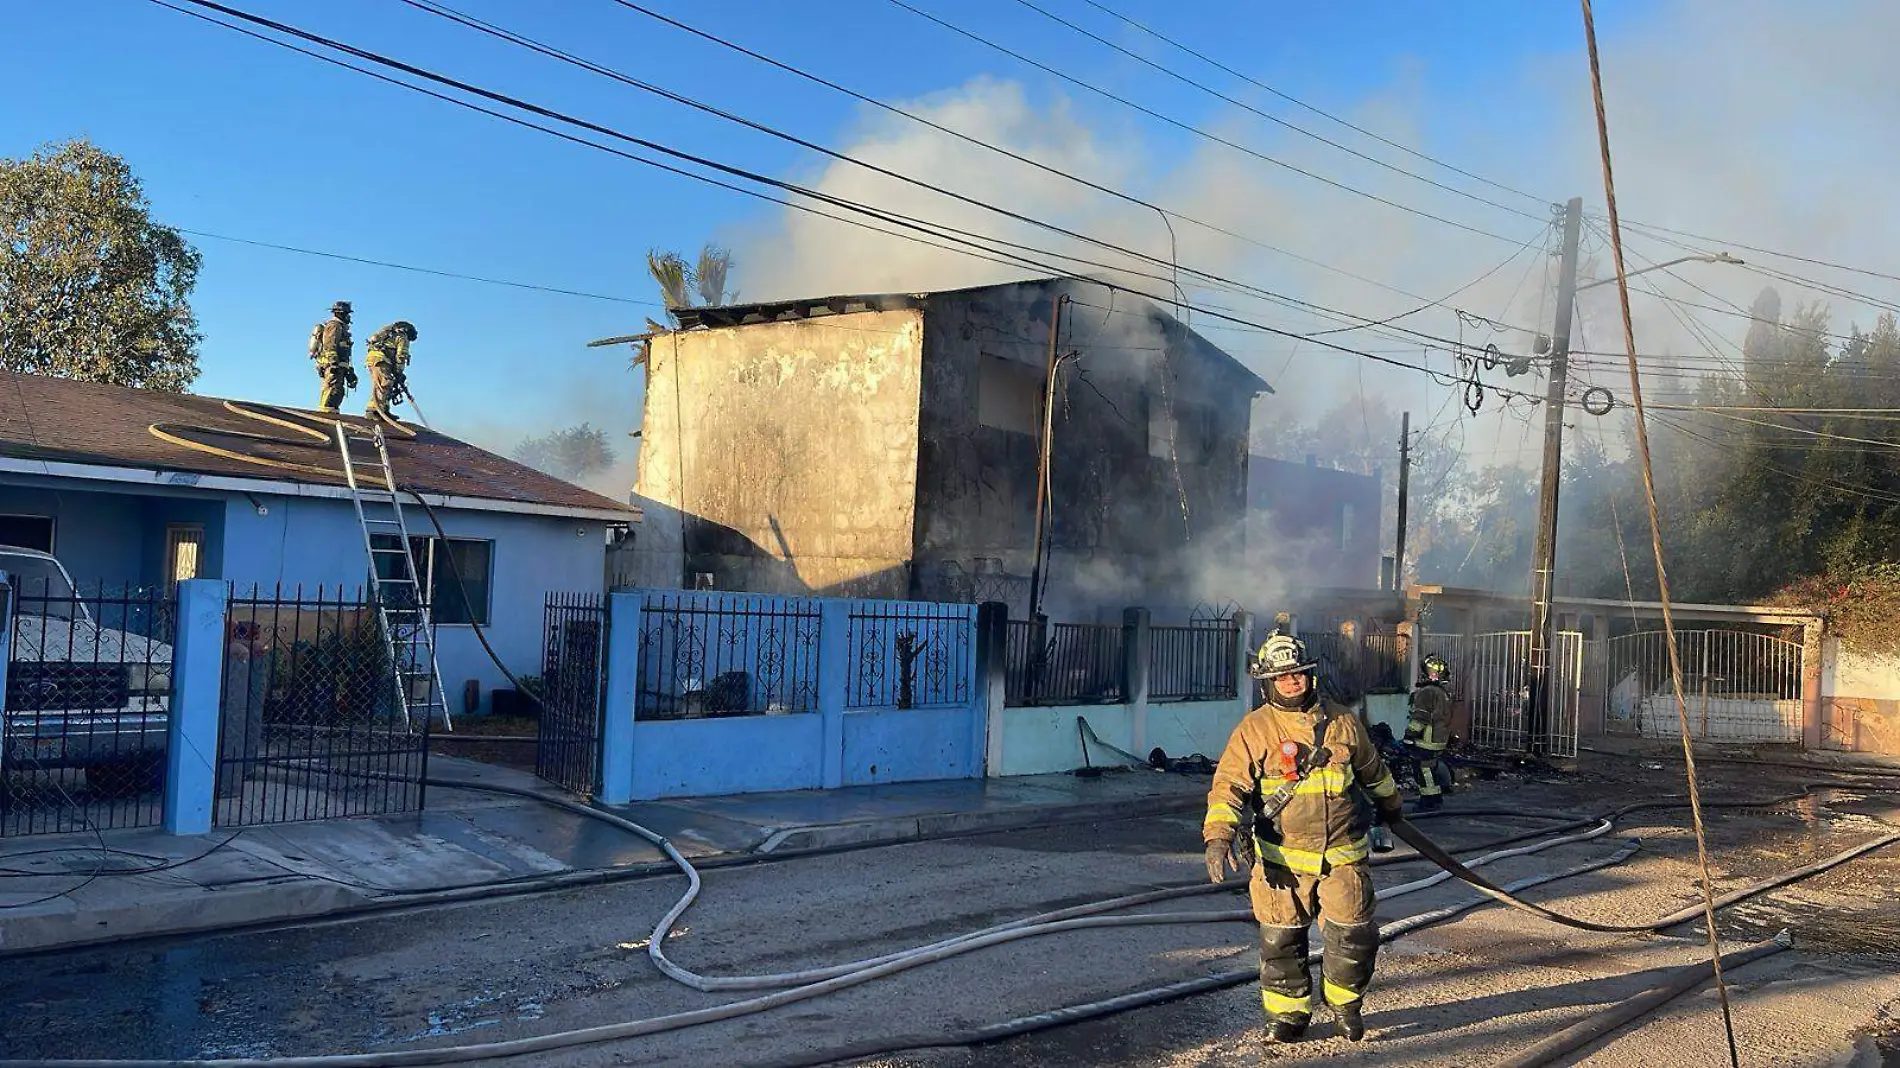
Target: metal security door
pixel 572 693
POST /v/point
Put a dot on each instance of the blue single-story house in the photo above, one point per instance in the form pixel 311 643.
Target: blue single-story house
pixel 129 487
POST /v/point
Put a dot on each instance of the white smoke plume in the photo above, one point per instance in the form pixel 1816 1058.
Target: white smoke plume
pixel 1755 120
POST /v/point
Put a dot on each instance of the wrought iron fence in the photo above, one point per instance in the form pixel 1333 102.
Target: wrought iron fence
pixel 1737 686
pixel 310 725
pixel 910 655
pixel 571 692
pixel 727 655
pixel 1491 673
pixel 88 696
pixel 1064 663
pixel 1193 663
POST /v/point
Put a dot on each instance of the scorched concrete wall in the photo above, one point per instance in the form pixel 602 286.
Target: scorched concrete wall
pixel 1146 508
pixel 785 454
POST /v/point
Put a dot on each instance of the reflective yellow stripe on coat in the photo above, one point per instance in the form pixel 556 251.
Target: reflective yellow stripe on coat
pixel 1306 862
pixel 1222 816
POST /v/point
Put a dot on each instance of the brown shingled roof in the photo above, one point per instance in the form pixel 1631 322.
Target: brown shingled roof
pixel 64 421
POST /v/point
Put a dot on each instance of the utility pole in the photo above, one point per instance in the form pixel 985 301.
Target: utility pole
pixel 1042 455
pixel 1544 555
pixel 1405 480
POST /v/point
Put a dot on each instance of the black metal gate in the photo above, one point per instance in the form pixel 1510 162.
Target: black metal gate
pixel 572 692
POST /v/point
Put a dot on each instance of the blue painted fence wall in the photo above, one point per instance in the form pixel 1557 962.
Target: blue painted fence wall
pixel 830 671
pixel 1040 740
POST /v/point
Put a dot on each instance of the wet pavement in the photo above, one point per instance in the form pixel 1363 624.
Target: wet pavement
pixel 62 890
pixel 1464 993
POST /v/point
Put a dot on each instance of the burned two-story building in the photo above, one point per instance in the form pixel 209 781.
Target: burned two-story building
pixel 890 446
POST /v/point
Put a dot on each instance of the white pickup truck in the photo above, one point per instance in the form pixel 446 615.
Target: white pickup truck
pixel 78 694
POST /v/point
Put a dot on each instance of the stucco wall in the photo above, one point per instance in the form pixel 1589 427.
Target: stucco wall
pixel 1860 700
pixel 101 538
pixel 114 537
pixel 1119 536
pixel 318 541
pixel 791 450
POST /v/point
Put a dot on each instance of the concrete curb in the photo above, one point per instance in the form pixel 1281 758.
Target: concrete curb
pixel 294 899
pixel 264 902
pixel 957 824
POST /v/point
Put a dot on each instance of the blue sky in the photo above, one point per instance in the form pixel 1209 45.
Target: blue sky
pixel 239 138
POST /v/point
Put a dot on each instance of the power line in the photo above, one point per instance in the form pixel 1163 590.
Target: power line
pixel 1800 430
pixel 967 248
pixel 1652 230
pixel 1275 119
pixel 1656 536
pixel 1732 308
pixel 418 270
pixel 1191 128
pixel 1295 101
pixel 443 11
pixel 898 219
pixel 1009 153
pixel 1848 488
pixel 1441 302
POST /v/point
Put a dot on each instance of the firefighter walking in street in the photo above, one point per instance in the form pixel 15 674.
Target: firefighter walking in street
pixel 1428 732
pixel 330 347
pixel 1294 798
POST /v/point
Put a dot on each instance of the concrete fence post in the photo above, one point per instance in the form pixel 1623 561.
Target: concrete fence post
pixel 1138 643
pixel 1811 704
pixel 191 751
pixel 1243 658
pixel 623 686
pixel 992 679
pixel 834 666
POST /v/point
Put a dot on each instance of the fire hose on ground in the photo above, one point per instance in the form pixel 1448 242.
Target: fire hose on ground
pixel 798 986
pixel 844 976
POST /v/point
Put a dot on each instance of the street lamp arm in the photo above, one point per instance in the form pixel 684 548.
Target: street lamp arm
pixel 1705 257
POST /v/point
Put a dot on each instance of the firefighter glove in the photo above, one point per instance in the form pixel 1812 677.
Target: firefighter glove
pixel 1390 809
pixel 1220 859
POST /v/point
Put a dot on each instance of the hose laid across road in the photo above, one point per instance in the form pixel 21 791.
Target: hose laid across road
pixel 817 982
pixel 638 1028
pixel 891 964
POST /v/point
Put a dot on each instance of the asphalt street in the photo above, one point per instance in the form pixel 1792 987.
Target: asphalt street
pixel 1464 993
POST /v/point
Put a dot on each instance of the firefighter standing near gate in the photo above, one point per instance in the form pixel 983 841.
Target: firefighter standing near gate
pixel 1296 793
pixel 1428 732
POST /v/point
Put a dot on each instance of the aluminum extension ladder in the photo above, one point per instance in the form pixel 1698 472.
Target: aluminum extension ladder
pixel 408 628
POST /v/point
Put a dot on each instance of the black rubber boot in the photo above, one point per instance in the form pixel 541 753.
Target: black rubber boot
pixel 1430 802
pixel 1351 1024
pixel 1281 1032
